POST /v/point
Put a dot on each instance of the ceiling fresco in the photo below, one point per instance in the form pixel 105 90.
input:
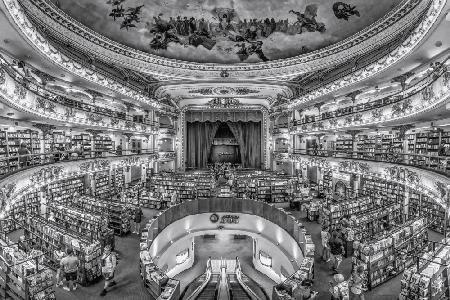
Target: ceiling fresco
pixel 227 31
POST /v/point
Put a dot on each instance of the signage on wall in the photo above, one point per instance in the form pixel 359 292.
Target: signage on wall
pixel 225 219
pixel 342 176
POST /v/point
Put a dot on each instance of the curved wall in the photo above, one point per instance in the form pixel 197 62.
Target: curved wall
pixel 276 232
pixel 270 238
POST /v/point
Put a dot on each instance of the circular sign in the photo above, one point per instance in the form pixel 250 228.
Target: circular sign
pixel 214 218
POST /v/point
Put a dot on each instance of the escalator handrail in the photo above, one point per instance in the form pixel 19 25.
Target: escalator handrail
pixel 199 289
pixel 219 285
pixel 246 288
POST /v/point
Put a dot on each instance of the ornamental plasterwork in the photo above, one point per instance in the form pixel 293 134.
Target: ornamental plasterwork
pixel 367 39
pixel 382 64
pixel 26 100
pixel 98 164
pixel 66 63
pixel 224 103
pixel 47 173
pixel 417 102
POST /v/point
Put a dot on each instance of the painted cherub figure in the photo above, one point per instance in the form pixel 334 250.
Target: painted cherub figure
pixel 307 20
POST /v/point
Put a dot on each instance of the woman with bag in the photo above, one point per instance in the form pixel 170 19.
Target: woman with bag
pixel 109 263
pixel 356 284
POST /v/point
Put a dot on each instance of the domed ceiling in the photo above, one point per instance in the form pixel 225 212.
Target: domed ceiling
pixel 227 31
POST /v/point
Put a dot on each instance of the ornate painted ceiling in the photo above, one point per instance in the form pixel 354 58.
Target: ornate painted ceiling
pixel 227 31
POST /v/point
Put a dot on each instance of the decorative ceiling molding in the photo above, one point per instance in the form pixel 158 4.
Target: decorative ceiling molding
pixel 396 55
pixel 225 103
pixel 185 91
pixel 364 41
pixel 40 42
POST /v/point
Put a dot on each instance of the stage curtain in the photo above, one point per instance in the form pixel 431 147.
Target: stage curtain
pixel 199 138
pixel 248 135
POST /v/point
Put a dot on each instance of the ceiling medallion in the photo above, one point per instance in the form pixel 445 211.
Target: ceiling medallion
pixel 224 103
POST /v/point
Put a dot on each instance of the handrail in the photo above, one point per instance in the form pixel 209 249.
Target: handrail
pixel 388 100
pixel 428 162
pixel 200 288
pixel 63 100
pixel 246 288
pixel 223 291
pixel 17 163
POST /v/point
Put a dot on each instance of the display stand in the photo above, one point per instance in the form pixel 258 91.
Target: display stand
pixel 48 236
pixel 22 275
pixel 429 279
pixel 386 256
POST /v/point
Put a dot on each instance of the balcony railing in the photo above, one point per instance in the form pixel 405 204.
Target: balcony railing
pixel 55 98
pixel 414 98
pixel 12 164
pixel 429 162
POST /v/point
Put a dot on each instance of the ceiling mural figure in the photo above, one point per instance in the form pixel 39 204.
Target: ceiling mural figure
pixel 227 31
pixel 344 11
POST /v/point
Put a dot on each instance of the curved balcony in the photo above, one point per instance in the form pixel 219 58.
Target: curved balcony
pixel 422 173
pixel 11 164
pixel 423 96
pixel 28 173
pixel 19 92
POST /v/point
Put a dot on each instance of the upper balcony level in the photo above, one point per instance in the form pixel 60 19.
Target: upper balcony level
pixel 23 93
pixel 424 94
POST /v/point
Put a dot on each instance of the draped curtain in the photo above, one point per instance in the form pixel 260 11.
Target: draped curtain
pixel 199 138
pixel 200 135
pixel 248 135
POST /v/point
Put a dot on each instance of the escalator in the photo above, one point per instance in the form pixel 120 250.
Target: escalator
pixel 237 292
pixel 209 291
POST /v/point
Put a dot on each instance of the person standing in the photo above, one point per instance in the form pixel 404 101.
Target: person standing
pixel 24 159
pixel 336 249
pixel 137 219
pixel 59 255
pixel 325 236
pixel 109 264
pixel 69 265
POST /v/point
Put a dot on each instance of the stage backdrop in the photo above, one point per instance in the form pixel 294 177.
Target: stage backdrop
pixel 199 140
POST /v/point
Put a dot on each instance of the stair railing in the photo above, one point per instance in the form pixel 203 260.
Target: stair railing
pixel 246 288
pixel 199 289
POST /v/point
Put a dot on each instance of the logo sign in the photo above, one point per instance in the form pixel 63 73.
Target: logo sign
pixel 225 219
pixel 229 219
pixel 214 218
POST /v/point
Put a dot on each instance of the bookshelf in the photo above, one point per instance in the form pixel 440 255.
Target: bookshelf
pixel 429 280
pixel 48 236
pixel 59 192
pixel 387 255
pixel 101 183
pixel 23 275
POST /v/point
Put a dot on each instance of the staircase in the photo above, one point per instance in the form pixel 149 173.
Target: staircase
pixel 237 292
pixel 208 293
